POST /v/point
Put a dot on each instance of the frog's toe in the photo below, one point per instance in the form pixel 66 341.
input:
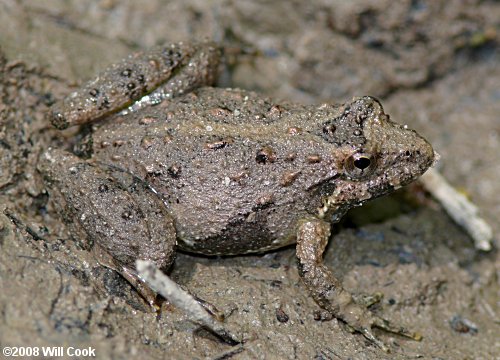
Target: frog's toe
pixel 388 326
pixel 367 300
pixel 373 321
pixel 367 333
pixel 227 336
pixel 210 308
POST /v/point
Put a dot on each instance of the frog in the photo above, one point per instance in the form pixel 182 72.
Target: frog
pixel 171 162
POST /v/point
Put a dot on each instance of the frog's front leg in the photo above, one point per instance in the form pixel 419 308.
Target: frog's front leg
pixel 161 72
pixel 312 238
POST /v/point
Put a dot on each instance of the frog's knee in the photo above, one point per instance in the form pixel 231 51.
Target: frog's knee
pixel 116 209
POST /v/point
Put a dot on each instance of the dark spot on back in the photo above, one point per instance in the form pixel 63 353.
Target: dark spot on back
pixel 174 171
pixel 94 92
pixel 265 155
pixel 169 62
pixel 103 188
pixel 281 316
pixel 134 94
pixel 291 156
pixel 104 103
pixel 329 129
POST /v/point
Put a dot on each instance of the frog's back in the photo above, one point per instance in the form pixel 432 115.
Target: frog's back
pixel 233 167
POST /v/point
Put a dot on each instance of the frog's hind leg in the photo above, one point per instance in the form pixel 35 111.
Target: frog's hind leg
pixel 122 218
pixel 178 68
pixel 200 69
pixel 312 238
pixel 105 259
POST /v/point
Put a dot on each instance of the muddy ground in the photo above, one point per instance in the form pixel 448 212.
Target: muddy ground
pixel 435 65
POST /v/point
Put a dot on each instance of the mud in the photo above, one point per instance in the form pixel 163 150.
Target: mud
pixel 434 64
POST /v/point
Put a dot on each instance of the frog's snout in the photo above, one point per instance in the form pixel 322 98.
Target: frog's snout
pixel 429 153
pixel 422 156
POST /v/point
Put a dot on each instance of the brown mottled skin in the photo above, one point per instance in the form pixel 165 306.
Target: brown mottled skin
pixel 225 171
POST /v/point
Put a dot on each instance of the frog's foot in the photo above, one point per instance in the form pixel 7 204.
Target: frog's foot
pixel 129 274
pixel 386 325
pixel 143 287
pixel 360 319
pixel 200 312
pixel 312 238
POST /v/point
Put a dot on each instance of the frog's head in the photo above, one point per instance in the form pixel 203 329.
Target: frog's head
pixel 375 154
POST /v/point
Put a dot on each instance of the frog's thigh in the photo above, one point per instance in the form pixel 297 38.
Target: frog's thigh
pixel 312 238
pixel 121 216
pixel 144 231
pixel 143 227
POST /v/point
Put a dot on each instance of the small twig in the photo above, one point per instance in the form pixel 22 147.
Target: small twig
pixel 459 208
pixel 171 291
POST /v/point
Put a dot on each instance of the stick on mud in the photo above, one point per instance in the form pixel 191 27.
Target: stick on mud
pixel 460 209
pixel 178 297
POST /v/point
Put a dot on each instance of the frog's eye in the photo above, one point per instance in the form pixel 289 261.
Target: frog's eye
pixel 359 165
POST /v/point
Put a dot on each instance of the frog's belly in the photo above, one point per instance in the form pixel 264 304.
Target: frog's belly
pixel 254 232
pixel 234 243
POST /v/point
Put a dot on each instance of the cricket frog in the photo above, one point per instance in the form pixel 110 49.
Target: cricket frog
pixel 173 163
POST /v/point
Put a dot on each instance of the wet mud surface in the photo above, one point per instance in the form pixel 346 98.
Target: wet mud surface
pixel 435 66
